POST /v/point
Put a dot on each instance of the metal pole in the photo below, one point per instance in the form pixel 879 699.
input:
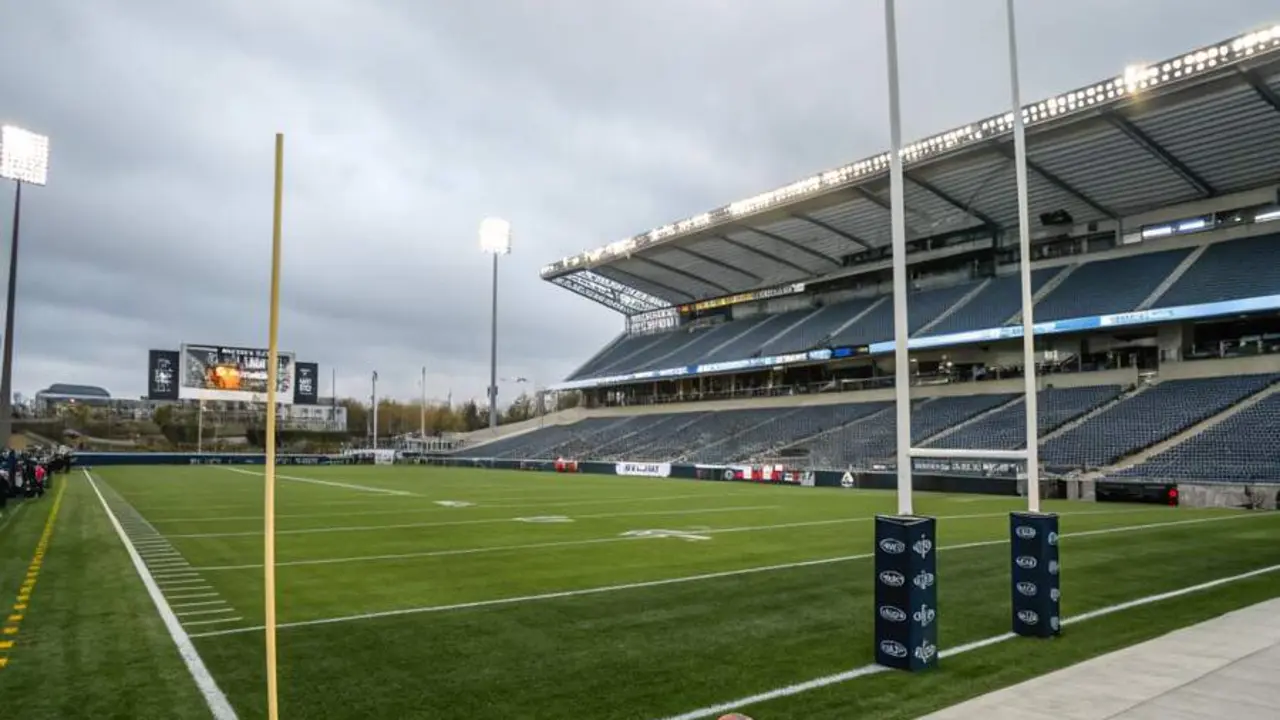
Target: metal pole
pixel 269 501
pixel 422 421
pixel 898 217
pixel 333 400
pixel 1024 245
pixel 373 396
pixel 493 352
pixel 200 428
pixel 6 374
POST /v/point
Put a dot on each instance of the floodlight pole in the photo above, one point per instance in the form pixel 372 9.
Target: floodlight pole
pixel 493 351
pixel 1024 246
pixel 898 219
pixel 6 374
pixel 373 400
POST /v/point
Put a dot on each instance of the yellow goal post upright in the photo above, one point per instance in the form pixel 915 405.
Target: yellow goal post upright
pixel 269 469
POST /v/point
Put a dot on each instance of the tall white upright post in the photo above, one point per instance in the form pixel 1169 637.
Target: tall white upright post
pixel 1033 535
pixel 1024 248
pixel 898 218
pixel 422 419
pixel 373 396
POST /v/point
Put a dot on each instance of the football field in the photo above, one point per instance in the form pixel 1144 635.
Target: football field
pixel 414 592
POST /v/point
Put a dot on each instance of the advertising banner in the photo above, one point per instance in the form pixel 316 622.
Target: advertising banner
pixel 1037 598
pixel 644 469
pixel 306 389
pixel 219 372
pixel 906 596
pixel 162 375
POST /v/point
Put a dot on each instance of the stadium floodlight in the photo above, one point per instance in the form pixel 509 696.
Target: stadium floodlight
pixel 495 239
pixel 24 158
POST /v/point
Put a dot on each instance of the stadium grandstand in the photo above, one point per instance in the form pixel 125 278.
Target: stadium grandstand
pixel 762 331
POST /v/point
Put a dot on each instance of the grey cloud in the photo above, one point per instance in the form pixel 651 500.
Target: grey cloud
pixel 581 122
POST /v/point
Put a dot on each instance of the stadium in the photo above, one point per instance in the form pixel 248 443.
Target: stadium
pixel 709 530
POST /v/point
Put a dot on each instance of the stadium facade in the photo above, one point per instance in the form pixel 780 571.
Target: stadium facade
pixel 1156 272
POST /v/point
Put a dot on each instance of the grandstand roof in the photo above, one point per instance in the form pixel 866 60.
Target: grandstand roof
pixel 1203 124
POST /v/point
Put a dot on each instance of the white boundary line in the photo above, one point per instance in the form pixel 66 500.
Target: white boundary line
pixel 521 599
pixel 330 483
pixel 213 695
pixel 789 690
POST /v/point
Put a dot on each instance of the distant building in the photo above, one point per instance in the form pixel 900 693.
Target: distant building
pixel 59 394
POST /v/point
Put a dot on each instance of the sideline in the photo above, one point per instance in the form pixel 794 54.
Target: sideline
pixel 329 483
pixel 213 695
pixel 13 622
pixel 498 602
pixel 865 670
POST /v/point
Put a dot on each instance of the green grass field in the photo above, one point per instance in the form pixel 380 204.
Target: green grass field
pixel 409 592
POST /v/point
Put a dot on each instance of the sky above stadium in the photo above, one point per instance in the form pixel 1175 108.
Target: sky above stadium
pixel 407 122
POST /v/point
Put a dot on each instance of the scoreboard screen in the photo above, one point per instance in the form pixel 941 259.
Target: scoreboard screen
pixel 219 372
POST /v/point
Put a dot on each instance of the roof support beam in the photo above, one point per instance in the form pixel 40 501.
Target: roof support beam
pixel 793 245
pixel 833 230
pixel 644 281
pixel 1159 152
pixel 591 294
pixel 719 263
pixel 941 194
pixel 1006 149
pixel 767 255
pixel 681 273
pixel 866 194
pixel 1260 86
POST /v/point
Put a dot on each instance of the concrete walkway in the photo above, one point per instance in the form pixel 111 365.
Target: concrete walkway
pixel 1228 667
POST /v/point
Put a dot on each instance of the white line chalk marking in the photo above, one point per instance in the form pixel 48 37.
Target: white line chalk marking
pixel 695 578
pixel 330 483
pixel 789 690
pixel 487 521
pixel 213 696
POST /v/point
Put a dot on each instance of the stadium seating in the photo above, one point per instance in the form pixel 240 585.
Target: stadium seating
pixel 1147 418
pixel 1241 448
pixel 816 329
pixel 999 301
pixel 1235 269
pixel 785 427
pixel 616 353
pixel 1108 286
pixel 1005 429
pixel 862 444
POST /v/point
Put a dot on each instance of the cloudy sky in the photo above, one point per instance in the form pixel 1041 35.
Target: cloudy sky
pixel 406 122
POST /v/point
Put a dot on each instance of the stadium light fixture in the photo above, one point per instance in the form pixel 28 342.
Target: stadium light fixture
pixel 24 158
pixel 495 239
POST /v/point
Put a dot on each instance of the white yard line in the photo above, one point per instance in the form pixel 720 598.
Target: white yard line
pixel 219 621
pixel 213 695
pixel 693 578
pixel 865 670
pixel 435 509
pixel 595 541
pixel 487 521
pixel 329 483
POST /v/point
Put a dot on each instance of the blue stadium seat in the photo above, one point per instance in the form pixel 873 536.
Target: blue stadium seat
pixel 814 330
pixel 1242 448
pixel 1102 287
pixel 1005 429
pixel 994 305
pixel 1227 271
pixel 1147 418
